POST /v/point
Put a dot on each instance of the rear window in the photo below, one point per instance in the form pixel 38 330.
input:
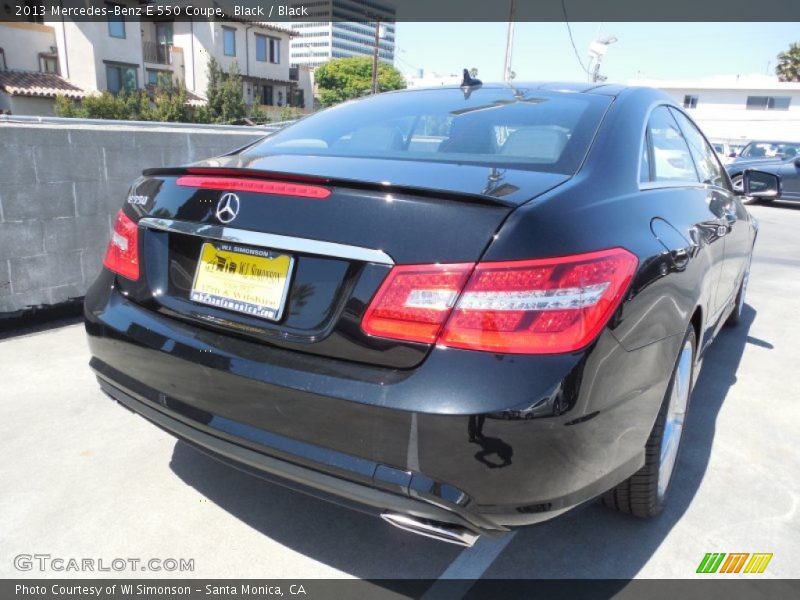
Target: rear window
pixel 496 127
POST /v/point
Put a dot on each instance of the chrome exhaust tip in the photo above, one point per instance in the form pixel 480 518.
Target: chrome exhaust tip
pixel 438 530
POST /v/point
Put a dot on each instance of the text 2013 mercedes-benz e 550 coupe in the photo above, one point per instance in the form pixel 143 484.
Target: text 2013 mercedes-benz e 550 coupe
pixel 462 309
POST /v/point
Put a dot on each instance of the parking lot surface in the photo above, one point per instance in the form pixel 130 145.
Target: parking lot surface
pixel 82 477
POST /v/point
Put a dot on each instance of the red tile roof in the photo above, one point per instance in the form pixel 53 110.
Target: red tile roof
pixel 44 85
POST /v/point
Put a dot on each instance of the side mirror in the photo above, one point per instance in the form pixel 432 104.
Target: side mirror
pixel 797 162
pixel 732 155
pixel 758 184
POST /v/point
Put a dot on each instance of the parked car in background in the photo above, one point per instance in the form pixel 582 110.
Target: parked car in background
pixel 768 150
pixel 760 155
pixel 724 151
pixel 461 309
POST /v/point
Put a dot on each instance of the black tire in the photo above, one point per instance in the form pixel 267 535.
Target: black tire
pixel 638 495
pixel 738 304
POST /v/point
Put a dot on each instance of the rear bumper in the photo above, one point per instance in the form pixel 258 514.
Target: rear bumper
pixel 360 497
pixel 477 440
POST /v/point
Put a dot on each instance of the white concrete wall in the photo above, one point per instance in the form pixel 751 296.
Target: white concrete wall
pixel 197 40
pixel 22 43
pixel 722 106
pixel 23 105
pixel 61 184
pixel 306 83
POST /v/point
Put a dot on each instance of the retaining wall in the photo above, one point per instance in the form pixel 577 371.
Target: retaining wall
pixel 61 183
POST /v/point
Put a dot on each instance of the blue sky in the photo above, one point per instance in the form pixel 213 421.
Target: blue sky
pixel 542 51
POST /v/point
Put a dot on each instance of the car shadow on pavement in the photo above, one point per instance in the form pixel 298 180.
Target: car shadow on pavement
pixel 588 542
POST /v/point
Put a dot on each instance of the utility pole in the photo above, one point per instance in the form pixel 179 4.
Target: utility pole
pixel 375 56
pixel 509 44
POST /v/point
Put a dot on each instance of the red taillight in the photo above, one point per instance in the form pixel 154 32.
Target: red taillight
pixel 122 254
pixel 414 301
pixel 238 184
pixel 541 306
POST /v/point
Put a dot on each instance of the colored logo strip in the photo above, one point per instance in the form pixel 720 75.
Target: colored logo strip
pixel 713 562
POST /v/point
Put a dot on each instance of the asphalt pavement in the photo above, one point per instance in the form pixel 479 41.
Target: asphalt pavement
pixel 80 477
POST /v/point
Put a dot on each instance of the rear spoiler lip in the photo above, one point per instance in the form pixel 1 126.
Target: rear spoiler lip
pixel 333 181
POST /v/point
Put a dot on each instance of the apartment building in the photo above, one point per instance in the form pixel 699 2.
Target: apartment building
pixel 41 60
pixel 737 108
pixel 260 50
pixel 343 28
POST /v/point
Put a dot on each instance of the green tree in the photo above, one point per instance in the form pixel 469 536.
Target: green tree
pixel 347 78
pixel 127 106
pixel 136 106
pixel 788 68
pixel 170 101
pixel 225 94
pixel 66 107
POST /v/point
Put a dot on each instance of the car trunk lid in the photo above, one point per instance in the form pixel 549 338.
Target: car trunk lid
pixel 341 247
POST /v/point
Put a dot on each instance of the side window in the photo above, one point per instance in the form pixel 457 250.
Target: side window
pixel 644 165
pixel 671 158
pixel 704 156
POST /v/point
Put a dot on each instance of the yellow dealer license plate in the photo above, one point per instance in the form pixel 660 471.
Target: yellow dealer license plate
pixel 243 279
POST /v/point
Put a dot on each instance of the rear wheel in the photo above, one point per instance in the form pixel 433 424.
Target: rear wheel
pixel 644 493
pixel 736 316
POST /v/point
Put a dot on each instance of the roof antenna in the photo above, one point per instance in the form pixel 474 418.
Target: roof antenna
pixel 469 84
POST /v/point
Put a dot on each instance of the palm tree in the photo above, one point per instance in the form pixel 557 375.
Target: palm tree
pixel 788 68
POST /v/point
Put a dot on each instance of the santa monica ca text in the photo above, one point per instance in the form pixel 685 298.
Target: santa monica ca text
pixel 165 591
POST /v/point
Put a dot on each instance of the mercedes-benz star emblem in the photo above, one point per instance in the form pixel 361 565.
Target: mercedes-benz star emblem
pixel 227 208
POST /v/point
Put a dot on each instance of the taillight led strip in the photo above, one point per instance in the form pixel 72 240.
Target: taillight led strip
pixel 122 253
pixel 260 186
pixel 540 306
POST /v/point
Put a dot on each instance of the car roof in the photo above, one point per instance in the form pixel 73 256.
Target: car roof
pixel 605 89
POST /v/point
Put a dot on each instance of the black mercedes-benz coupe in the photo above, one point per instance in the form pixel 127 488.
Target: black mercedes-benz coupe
pixel 463 309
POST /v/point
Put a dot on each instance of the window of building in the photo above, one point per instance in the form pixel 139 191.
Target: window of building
pixel 274 50
pixel 3 66
pixel 690 101
pixel 158 77
pixel 48 63
pixel 229 41
pixel 672 160
pixel 164 33
pixel 299 99
pixel 121 78
pixel 116 24
pixel 261 48
pixel 705 159
pixel 768 102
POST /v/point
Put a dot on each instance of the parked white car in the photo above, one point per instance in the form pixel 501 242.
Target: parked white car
pixel 725 151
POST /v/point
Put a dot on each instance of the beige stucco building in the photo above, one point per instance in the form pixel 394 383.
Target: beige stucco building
pixel 39 60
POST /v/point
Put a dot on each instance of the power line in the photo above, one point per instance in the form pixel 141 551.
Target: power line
pixel 572 41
